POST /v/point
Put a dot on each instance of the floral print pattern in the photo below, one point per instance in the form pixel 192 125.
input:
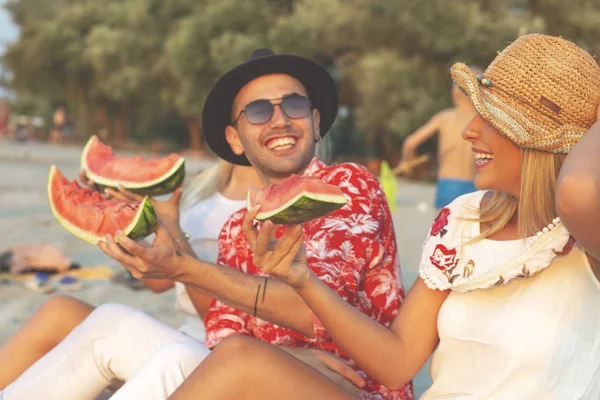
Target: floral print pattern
pixel 353 250
pixel 450 255
pixel 440 223
pixel 443 258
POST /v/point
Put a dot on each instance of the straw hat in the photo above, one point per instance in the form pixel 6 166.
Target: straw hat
pixel 542 92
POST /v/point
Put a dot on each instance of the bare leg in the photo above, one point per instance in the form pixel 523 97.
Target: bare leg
pixel 241 367
pixel 51 323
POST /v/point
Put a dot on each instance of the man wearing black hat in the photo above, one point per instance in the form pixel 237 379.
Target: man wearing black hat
pixel 270 112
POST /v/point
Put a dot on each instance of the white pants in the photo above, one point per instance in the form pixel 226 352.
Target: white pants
pixel 115 342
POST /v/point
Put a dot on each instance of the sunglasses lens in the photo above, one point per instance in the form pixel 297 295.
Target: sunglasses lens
pixel 259 111
pixel 296 106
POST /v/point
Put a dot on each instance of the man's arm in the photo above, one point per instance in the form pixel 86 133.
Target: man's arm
pixel 205 281
pixel 281 306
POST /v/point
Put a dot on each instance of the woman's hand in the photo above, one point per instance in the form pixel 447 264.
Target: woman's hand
pixel 167 211
pixel 284 258
pixel 91 185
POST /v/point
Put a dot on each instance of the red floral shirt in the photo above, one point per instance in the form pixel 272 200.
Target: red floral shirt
pixel 353 250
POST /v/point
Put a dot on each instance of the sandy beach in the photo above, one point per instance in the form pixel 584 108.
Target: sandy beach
pixel 25 217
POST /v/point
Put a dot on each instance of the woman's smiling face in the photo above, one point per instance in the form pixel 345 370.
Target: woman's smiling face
pixel 498 160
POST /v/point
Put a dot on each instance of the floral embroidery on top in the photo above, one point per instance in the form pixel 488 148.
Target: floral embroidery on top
pixel 440 223
pixel 445 260
pixel 567 249
pixel 442 258
pixel 448 260
pixel 468 269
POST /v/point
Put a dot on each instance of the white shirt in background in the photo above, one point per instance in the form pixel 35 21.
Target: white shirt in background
pixel 203 222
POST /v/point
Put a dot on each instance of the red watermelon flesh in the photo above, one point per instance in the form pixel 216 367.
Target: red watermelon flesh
pixel 88 215
pixel 148 176
pixel 296 200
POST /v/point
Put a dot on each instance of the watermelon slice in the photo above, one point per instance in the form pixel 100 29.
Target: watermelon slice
pixel 151 177
pixel 89 216
pixel 296 200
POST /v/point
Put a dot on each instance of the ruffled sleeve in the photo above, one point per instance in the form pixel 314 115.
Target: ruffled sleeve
pixel 442 247
pixel 452 261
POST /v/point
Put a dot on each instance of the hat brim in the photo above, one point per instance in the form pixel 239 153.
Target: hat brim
pixel 216 115
pixel 490 107
pixel 509 116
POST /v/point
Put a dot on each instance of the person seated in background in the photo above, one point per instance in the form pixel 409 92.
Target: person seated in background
pixel 205 204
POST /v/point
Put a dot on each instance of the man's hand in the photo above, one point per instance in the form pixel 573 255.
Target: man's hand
pixel 284 259
pixel 158 261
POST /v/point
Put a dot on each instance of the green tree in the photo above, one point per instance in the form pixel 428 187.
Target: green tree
pixel 214 38
pixel 119 65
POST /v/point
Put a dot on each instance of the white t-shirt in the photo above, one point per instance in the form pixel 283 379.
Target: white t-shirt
pixel 203 222
pixel 527 338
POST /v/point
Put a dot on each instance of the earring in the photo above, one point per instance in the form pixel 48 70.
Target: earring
pixel 318 139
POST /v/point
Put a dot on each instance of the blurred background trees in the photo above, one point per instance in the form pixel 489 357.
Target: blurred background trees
pixel 139 70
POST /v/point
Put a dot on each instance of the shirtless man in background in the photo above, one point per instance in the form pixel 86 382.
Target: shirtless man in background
pixel 455 158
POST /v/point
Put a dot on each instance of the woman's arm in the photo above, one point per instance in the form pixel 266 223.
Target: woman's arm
pixel 578 192
pixel 391 356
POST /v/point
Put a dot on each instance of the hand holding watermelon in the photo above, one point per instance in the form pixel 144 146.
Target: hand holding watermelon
pixel 143 261
pixel 285 258
pixel 86 182
pixel 167 211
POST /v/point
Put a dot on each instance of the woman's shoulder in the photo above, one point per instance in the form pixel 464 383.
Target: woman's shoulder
pixel 468 203
pixel 453 259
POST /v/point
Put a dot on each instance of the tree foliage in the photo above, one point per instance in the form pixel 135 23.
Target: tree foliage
pixel 121 65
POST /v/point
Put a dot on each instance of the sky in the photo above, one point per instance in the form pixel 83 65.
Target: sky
pixel 8 31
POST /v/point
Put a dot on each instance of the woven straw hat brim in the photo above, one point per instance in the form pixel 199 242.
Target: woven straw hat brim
pixel 509 117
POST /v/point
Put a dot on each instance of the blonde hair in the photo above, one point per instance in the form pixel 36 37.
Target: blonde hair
pixel 535 208
pixel 206 183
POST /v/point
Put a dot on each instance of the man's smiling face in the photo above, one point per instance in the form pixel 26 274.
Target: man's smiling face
pixel 282 145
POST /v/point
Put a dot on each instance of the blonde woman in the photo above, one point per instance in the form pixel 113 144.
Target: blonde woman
pixel 509 287
pixel 206 203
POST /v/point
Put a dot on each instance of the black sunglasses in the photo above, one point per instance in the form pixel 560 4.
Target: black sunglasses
pixel 261 111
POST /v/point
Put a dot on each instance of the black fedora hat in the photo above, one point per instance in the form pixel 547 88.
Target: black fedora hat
pixel 216 115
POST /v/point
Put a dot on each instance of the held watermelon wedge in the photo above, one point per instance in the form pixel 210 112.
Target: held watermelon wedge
pixel 296 200
pixel 150 177
pixel 89 216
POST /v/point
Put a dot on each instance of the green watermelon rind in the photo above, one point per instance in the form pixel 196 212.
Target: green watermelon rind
pixel 143 224
pixel 164 184
pixel 304 207
pixel 165 187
